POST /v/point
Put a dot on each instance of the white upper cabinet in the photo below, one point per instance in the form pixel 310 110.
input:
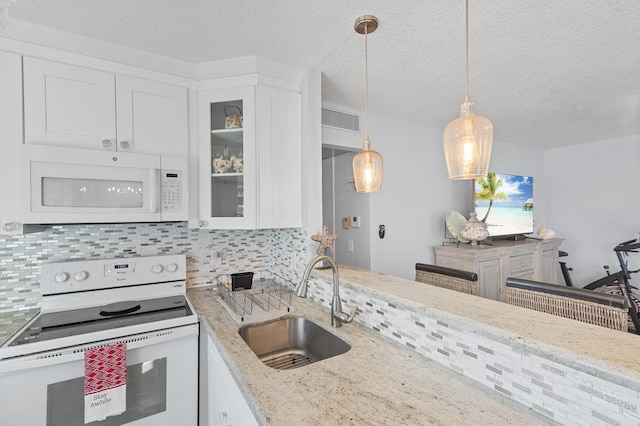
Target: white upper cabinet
pixel 227 159
pixel 280 158
pixel 67 105
pixel 151 117
pixel 10 141
pixel 250 170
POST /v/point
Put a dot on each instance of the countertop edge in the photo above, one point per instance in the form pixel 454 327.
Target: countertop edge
pixel 521 336
pixel 386 383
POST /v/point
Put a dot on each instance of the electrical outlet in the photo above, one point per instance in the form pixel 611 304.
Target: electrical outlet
pixel 350 245
pixel 216 257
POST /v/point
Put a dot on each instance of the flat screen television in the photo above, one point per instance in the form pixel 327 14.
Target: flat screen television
pixel 504 203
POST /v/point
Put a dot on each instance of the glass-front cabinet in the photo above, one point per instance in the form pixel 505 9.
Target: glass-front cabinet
pixel 227 159
pixel 250 158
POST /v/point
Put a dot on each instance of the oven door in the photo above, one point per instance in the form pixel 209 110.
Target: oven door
pixel 66 185
pixel 162 383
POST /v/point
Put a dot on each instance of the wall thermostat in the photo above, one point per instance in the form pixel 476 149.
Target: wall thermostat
pixel 346 222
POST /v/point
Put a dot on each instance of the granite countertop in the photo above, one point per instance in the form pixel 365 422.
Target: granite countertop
pixel 575 342
pixel 378 382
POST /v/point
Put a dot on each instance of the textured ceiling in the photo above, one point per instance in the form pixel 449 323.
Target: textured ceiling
pixel 546 72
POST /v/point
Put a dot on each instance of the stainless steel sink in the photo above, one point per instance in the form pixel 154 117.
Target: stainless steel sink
pixel 292 342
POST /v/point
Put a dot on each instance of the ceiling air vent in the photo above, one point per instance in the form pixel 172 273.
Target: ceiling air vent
pixel 340 120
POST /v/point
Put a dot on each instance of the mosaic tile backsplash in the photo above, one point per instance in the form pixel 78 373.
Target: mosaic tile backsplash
pixel 277 250
pixel 548 386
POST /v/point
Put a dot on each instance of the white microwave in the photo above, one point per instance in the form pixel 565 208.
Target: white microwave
pixel 69 185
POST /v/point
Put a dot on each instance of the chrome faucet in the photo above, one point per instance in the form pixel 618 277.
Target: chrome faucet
pixel 337 316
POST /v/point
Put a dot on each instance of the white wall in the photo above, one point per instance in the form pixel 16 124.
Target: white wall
pixel 340 199
pixel 588 194
pixel 328 194
pixel 594 202
pixel 417 193
pixel 311 157
pixel 349 203
pixel 415 196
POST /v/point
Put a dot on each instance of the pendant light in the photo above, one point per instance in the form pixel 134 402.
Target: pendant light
pixel 367 164
pixel 468 139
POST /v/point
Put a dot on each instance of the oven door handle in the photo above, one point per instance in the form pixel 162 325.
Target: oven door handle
pixel 46 358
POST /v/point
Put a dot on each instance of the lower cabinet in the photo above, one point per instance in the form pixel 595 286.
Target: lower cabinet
pixel 221 401
pixel 529 259
pixel 489 273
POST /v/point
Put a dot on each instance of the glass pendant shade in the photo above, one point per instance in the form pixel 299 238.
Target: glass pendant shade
pixel 467 144
pixel 367 169
pixel 469 138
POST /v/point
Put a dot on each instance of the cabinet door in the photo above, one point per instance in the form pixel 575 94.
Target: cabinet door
pixel 66 105
pixel 151 117
pixel 226 404
pixel 548 270
pixel 10 142
pixel 227 159
pixel 490 279
pixel 279 158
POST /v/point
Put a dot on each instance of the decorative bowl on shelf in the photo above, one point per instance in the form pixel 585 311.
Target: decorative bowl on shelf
pixel 237 163
pixel 221 165
pixel 233 121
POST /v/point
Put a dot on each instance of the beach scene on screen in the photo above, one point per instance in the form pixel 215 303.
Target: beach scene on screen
pixel 505 203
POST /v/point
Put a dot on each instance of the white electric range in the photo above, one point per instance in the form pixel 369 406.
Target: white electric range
pixel 141 301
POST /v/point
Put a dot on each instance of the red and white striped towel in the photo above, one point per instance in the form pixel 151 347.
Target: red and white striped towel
pixel 105 381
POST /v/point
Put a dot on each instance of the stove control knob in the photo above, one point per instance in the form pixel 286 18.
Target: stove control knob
pixel 156 269
pixel 61 277
pixel 172 267
pixel 80 275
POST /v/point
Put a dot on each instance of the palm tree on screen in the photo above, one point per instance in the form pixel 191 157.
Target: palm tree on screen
pixel 489 191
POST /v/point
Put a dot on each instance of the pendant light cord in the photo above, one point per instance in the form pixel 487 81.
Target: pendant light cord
pixel 366 83
pixel 467 49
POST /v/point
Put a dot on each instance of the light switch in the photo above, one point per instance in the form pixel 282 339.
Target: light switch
pixel 355 221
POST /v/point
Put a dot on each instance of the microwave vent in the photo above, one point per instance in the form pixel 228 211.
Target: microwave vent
pixel 340 120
